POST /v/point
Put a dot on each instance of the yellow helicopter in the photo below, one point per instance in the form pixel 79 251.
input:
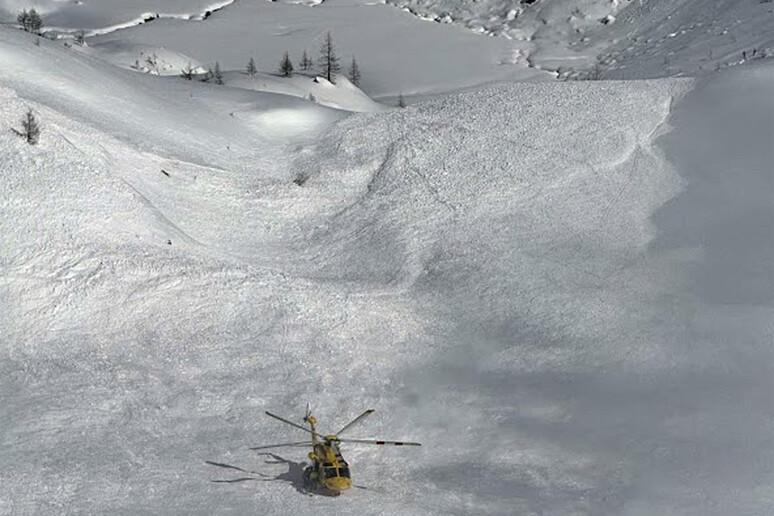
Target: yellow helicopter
pixel 329 471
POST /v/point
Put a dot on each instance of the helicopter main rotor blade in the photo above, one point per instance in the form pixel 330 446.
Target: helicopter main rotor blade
pixel 373 441
pixel 303 443
pixel 355 421
pixel 293 424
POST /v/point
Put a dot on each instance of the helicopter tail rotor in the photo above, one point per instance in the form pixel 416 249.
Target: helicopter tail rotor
pixel 308 413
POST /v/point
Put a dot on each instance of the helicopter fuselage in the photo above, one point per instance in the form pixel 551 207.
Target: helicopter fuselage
pixel 329 469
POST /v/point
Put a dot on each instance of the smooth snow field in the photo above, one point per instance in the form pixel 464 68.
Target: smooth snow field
pixel 563 290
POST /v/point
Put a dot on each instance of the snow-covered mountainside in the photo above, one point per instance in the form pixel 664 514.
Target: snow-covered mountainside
pixel 396 53
pixel 626 39
pixel 562 289
pixel 619 39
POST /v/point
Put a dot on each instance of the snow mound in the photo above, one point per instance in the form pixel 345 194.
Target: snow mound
pixel 341 95
pixel 143 58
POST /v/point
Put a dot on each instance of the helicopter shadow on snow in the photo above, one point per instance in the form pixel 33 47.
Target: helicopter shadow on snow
pixel 294 475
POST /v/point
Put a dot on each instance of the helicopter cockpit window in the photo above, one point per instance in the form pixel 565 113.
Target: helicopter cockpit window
pixel 344 472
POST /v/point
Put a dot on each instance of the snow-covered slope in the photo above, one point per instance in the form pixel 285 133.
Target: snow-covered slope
pixel 617 38
pixel 395 52
pixel 622 39
pixel 515 276
pixel 220 124
pixel 142 58
pixel 164 62
pixel 341 95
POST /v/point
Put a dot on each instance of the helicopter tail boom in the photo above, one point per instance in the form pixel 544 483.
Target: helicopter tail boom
pixel 380 442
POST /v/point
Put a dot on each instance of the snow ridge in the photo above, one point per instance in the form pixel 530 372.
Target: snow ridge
pixel 143 18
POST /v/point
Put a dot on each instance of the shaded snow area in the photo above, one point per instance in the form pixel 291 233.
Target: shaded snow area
pixel 563 290
pixel 395 52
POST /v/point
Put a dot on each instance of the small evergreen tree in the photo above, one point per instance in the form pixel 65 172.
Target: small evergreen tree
pixel 354 72
pixel 401 101
pixel 306 63
pixel 36 22
pixel 251 69
pixel 30 128
pixel 286 66
pixel 30 21
pixel 23 18
pixel 216 74
pixel 329 63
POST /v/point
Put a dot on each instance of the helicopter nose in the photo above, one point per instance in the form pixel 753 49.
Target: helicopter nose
pixel 339 483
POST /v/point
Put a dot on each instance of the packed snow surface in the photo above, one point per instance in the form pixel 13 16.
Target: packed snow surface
pixel 564 291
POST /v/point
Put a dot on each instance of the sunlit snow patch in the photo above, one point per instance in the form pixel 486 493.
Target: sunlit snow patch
pixel 285 122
